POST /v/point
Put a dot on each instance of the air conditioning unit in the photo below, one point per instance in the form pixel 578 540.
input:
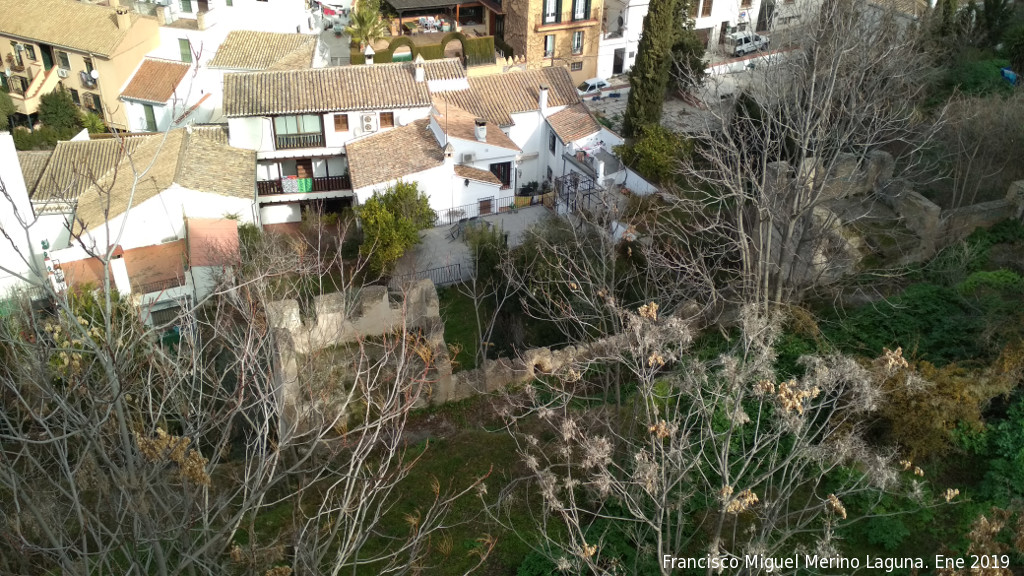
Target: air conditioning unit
pixel 468 158
pixel 369 122
pixel 63 72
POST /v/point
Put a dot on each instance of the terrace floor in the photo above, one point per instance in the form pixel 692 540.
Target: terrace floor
pixel 438 249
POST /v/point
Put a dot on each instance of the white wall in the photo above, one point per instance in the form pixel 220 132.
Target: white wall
pixel 727 11
pixel 17 255
pixel 632 13
pixel 251 133
pixel 136 113
pixel 163 216
pixel 280 213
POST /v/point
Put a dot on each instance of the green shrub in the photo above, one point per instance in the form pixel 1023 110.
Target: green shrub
pixel 392 221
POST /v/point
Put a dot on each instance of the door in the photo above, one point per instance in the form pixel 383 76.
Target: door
pixel 47 53
pixel 150 118
pixel 304 168
pixel 485 207
pixel 724 33
pixel 765 16
pixel 618 60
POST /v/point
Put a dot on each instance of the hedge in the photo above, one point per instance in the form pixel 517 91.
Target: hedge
pixel 476 51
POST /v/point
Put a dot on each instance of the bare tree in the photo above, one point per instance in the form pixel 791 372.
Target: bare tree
pixel 769 162
pixel 120 453
pixel 714 461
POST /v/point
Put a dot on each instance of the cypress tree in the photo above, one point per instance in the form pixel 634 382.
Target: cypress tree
pixel 648 80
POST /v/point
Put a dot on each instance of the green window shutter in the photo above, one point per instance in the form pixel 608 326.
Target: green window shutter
pixel 150 118
pixel 186 50
pixel 186 6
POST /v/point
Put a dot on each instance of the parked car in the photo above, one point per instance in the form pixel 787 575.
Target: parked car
pixel 743 43
pixel 592 87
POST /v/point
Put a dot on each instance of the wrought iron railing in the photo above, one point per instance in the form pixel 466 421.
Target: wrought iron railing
pixel 159 286
pixel 320 184
pixel 288 141
pixel 459 213
pixel 440 276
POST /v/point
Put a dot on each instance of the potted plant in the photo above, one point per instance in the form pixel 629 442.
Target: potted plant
pixel 13 64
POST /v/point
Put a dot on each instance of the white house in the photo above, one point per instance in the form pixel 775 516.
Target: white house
pixel 713 21
pixel 160 95
pixel 18 262
pixel 299 122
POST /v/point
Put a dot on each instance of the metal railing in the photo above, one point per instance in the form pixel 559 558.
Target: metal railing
pixel 159 286
pixel 287 141
pixel 459 213
pixel 440 276
pixel 320 184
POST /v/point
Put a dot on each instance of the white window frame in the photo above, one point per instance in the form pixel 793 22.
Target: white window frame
pixel 549 46
pixel 577 42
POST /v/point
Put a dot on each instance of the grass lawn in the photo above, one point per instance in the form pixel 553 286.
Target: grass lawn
pixel 459 318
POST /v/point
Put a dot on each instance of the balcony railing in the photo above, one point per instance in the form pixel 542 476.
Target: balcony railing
pixel 87 80
pixel 288 141
pixel 159 286
pixel 322 184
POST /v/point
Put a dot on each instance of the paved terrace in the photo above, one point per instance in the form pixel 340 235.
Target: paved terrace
pixel 437 249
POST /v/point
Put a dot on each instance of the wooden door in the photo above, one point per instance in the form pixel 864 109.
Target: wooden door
pixel 485 207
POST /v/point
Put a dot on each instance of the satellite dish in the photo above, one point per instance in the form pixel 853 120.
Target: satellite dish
pixel 95 74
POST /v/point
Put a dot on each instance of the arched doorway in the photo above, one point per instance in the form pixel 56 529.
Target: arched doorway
pixel 402 54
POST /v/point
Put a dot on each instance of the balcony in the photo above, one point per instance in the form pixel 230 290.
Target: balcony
pixel 291 141
pixel 303 185
pixel 87 81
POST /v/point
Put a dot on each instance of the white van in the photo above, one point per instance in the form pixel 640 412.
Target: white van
pixel 742 43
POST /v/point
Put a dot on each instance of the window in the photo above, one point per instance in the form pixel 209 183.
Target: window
pixel 97 105
pixel 552 11
pixel 17 54
pixel 341 122
pixel 186 50
pixel 65 62
pixel 549 46
pixel 577 42
pixel 576 66
pixel 88 65
pixel 186 6
pixel 18 84
pixel 746 3
pixel 298 131
pixel 705 8
pixel 31 51
pixel 580 9
pixel 504 173
pixel 551 140
pixel 387 119
pixel 3 83
pixel 150 118
pixel 694 7
pixel 75 97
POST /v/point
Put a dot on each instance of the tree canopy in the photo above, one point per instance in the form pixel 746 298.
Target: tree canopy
pixel 392 221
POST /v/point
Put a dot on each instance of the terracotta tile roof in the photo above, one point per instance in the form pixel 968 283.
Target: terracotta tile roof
pixel 84 272
pixel 161 264
pixel 199 161
pixel 155 80
pixel 390 155
pixel 249 50
pixel 338 88
pixel 498 96
pixel 212 242
pixel 573 123
pixel 32 166
pixel 476 174
pixel 66 23
pixel 459 123
pixel 75 166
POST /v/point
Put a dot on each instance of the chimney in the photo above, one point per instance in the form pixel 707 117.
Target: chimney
pixel 420 72
pixel 599 168
pixel 124 17
pixel 119 270
pixel 481 129
pixel 161 15
pixel 368 53
pixel 543 100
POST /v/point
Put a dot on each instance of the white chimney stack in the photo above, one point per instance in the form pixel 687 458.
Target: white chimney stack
pixel 119 270
pixel 599 168
pixel 420 72
pixel 543 100
pixel 368 53
pixel 480 129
